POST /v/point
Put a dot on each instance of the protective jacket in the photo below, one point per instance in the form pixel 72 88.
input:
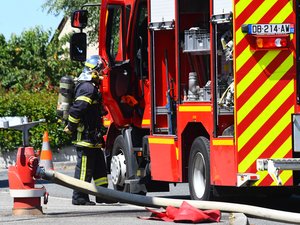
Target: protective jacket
pixel 85 116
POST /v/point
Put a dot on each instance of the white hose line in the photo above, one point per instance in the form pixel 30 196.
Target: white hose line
pixel 156 202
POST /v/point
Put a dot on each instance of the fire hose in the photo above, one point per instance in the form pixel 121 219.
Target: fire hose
pixel 157 202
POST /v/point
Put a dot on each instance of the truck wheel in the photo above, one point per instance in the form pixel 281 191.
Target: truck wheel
pixel 199 170
pixel 118 165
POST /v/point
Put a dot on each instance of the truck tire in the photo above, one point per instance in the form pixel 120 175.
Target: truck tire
pixel 118 165
pixel 199 170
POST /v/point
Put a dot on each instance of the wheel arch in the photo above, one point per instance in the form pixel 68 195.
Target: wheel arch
pixel 133 138
pixel 189 134
pixel 199 170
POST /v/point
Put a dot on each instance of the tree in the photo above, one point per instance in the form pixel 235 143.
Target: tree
pixel 30 62
pixel 30 69
pixel 66 7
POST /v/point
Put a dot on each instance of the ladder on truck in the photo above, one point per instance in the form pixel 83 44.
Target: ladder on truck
pixel 274 166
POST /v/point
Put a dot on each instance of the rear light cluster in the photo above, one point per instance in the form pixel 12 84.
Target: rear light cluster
pixel 271 41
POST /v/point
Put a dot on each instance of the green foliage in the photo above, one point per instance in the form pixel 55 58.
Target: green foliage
pixel 30 62
pixel 31 66
pixel 36 106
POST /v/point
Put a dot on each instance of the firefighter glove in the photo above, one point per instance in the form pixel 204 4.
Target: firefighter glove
pixel 67 130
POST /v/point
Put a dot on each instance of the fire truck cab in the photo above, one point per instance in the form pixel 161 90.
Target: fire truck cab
pixel 203 92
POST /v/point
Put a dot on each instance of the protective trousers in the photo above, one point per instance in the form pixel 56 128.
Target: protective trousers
pixel 90 164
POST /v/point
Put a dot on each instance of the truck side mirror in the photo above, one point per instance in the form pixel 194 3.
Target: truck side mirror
pixel 79 19
pixel 78 46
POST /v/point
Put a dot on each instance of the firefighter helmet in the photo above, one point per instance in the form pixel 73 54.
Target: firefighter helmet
pixel 94 63
pixel 92 68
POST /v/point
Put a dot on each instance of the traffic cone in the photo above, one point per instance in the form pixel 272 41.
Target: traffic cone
pixel 46 154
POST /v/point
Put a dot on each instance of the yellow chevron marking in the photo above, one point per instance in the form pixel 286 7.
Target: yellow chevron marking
pixel 243 58
pixel 261 10
pixel 239 35
pixel 265 115
pixel 279 18
pixel 162 141
pixel 265 88
pixel 262 175
pixel 283 149
pixel 255 71
pixel 265 141
pixel 283 14
pixel 242 86
pixel 280 153
pixel 240 7
pixel 255 17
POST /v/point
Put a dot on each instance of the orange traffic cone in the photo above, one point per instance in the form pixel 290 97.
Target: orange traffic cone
pixel 46 154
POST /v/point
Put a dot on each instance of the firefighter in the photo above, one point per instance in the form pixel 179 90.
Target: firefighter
pixel 86 127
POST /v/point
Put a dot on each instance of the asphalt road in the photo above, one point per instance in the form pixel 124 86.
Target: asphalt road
pixel 59 209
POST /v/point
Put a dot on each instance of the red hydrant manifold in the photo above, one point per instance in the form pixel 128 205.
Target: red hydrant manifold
pixel 21 177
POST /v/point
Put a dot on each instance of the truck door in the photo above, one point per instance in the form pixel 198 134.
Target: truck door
pixel 114 19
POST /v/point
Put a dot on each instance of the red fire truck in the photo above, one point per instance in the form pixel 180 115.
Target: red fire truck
pixel 204 92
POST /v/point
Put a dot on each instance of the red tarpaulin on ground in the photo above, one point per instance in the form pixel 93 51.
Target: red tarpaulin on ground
pixel 185 213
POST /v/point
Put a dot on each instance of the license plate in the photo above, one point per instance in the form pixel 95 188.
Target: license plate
pixel 270 29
